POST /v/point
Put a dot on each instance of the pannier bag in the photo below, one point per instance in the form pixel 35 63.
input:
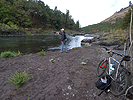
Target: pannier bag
pixel 104 83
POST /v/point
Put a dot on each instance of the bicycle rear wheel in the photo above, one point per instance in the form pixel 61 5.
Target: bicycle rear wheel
pixel 101 67
pixel 120 84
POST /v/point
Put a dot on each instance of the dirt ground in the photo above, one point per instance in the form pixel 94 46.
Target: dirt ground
pixel 65 79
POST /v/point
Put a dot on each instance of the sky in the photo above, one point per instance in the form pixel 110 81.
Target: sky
pixel 88 12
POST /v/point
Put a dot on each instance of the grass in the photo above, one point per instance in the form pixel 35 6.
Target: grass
pixel 7 54
pixel 82 57
pixel 37 80
pixel 18 78
pixel 85 46
pixel 29 68
pixel 52 56
pixel 41 53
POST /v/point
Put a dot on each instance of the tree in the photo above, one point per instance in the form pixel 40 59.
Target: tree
pixel 77 26
pixel 130 3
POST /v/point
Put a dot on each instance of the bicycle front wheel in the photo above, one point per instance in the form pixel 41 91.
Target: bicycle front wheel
pixel 119 85
pixel 101 67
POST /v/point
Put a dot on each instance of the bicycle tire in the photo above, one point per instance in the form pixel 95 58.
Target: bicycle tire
pixel 129 92
pixel 119 86
pixel 101 67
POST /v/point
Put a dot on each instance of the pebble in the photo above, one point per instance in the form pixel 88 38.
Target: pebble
pixel 69 87
pixel 94 94
pixel 67 93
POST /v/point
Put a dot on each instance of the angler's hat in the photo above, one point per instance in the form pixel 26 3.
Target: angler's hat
pixel 62 29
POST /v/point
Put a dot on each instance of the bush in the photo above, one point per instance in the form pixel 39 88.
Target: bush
pixel 17 53
pixel 8 28
pixel 41 53
pixel 18 78
pixel 7 54
pixel 28 33
pixel 85 46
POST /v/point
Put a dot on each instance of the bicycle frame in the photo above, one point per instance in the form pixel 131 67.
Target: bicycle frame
pixel 115 61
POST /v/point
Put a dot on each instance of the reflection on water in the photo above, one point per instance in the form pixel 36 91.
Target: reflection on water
pixel 34 44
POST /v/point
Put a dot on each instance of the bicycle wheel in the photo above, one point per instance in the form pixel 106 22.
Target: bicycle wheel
pixel 129 92
pixel 101 67
pixel 120 84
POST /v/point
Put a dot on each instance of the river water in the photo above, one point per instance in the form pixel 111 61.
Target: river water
pixel 34 44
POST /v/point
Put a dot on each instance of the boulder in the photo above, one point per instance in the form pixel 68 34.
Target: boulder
pixel 86 41
pixel 109 43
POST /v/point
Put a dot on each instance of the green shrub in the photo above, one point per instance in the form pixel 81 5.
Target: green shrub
pixel 18 78
pixel 41 53
pixel 9 28
pixel 85 46
pixel 17 53
pixel 28 33
pixel 7 54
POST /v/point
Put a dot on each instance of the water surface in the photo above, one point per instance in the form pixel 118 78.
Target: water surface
pixel 34 44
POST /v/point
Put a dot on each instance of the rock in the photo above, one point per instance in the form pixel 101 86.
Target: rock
pixel 109 43
pixel 86 41
pixel 119 47
pixel 69 87
pixel 96 43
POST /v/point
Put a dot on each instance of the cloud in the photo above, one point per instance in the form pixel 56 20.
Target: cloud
pixel 88 12
pixel 114 3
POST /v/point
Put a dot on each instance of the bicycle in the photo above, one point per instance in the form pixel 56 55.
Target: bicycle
pixel 117 72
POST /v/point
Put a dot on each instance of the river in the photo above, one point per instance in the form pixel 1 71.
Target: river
pixel 34 44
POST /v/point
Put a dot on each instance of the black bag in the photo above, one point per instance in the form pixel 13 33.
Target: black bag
pixel 104 83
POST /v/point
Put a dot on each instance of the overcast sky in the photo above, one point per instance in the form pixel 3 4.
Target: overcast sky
pixel 88 12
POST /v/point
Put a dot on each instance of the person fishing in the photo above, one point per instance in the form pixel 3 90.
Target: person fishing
pixel 64 39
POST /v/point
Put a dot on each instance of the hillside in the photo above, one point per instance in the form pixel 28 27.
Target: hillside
pixel 118 20
pixel 120 14
pixel 27 16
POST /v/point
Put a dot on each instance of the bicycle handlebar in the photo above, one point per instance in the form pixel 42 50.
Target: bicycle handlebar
pixel 113 52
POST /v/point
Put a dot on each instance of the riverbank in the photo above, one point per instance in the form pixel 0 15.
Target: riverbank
pixel 65 79
pixel 36 32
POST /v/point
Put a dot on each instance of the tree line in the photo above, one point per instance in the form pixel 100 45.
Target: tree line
pixel 103 26
pixel 16 14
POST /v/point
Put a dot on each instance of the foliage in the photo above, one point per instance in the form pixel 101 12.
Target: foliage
pixel 130 3
pixel 103 26
pixel 127 19
pixel 30 14
pixel 18 78
pixel 17 53
pixel 8 28
pixel 7 54
pixel 52 56
pixel 41 53
pixel 28 33
pixel 85 46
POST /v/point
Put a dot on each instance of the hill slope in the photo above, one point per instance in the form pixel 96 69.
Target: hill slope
pixel 120 14
pixel 111 23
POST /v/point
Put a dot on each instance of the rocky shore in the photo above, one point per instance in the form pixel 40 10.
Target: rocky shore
pixel 115 42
